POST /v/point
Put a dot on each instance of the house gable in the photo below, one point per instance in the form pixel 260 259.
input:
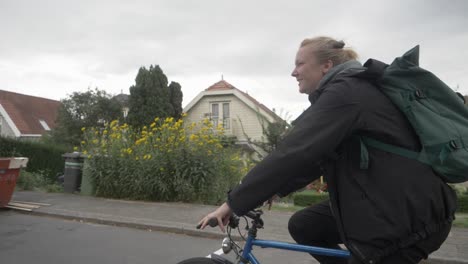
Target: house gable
pixel 247 115
pixel 27 116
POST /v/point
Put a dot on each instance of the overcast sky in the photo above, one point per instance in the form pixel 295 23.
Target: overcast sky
pixel 53 48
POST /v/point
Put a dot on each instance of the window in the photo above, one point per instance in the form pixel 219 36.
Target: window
pixel 215 114
pixel 226 116
pixel 44 125
pixel 125 112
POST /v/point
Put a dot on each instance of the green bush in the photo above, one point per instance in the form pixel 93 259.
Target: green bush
pixel 45 159
pixel 306 198
pixel 166 161
pixel 30 181
pixel 462 203
pixel 459 189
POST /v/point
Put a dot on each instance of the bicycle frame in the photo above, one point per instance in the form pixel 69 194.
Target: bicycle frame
pixel 247 254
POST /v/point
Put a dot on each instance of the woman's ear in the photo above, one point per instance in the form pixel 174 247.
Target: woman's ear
pixel 326 66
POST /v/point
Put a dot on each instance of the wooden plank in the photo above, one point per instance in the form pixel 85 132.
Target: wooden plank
pixel 18 208
pixel 42 204
pixel 30 206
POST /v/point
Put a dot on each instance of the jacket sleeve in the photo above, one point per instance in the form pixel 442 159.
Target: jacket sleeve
pixel 325 124
pixel 300 181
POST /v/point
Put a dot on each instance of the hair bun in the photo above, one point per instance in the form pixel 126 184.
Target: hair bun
pixel 338 44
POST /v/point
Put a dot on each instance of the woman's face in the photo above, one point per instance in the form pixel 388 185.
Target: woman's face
pixel 309 71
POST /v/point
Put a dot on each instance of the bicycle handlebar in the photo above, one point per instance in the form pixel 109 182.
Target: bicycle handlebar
pixel 234 219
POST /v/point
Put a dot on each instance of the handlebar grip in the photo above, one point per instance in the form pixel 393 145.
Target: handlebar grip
pixel 213 222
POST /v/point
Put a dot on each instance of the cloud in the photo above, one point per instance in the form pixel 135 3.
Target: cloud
pixel 52 48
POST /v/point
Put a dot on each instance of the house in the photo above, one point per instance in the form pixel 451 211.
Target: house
pixel 241 116
pixel 26 117
pixel 123 99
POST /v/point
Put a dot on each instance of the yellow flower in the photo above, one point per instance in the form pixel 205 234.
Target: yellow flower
pixel 137 158
pixel 75 148
pixel 95 141
pixel 153 125
pixel 139 141
pixel 83 142
pixel 83 129
pixel 114 123
pixel 129 151
pixel 104 132
pixel 89 156
pixel 85 152
pixel 184 114
pixel 156 119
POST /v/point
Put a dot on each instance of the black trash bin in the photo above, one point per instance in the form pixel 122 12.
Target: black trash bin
pixel 73 171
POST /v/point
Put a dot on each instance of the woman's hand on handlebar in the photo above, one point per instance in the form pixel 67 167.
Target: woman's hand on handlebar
pixel 221 214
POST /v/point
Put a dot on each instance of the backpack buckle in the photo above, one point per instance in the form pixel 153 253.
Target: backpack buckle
pixel 454 144
pixel 420 94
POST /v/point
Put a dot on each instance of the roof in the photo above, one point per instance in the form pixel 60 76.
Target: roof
pixel 223 85
pixel 122 98
pixel 26 112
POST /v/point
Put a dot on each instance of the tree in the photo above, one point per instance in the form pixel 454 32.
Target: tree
pixel 93 108
pixel 176 98
pixel 273 133
pixel 151 97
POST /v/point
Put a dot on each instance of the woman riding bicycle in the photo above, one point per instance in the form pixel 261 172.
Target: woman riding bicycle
pixel 396 211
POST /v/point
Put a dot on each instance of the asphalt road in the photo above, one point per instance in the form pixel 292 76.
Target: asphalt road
pixel 42 240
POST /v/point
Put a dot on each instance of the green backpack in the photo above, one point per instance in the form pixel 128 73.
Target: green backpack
pixel 436 112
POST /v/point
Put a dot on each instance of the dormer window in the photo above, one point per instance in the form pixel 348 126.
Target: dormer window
pixel 44 125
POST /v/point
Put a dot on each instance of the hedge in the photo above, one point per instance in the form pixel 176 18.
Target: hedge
pixel 43 158
pixel 307 198
pixel 463 203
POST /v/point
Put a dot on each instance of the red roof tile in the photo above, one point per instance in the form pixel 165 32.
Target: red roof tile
pixel 26 111
pixel 223 85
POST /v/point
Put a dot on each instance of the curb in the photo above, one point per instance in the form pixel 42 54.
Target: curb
pixel 189 232
pixel 147 227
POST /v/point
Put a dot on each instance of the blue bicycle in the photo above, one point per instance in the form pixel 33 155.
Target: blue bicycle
pixel 244 255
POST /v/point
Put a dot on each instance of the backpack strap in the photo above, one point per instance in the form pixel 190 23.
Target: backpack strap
pixel 367 141
pixel 427 157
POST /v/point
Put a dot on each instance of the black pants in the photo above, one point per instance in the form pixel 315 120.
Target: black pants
pixel 316 226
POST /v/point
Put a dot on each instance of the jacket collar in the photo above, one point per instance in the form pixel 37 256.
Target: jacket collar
pixel 331 75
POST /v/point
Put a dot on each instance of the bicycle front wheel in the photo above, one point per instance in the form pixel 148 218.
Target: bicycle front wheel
pixel 205 261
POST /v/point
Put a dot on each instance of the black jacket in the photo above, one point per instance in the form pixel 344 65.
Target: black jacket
pixel 394 203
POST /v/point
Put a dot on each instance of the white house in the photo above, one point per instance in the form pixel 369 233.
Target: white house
pixel 26 117
pixel 240 114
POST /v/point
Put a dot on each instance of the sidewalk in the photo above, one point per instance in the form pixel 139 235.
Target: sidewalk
pixel 182 218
